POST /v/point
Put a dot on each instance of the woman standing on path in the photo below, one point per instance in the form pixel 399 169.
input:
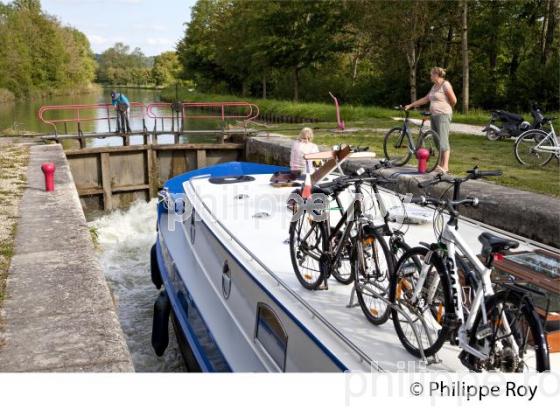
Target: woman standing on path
pixel 442 99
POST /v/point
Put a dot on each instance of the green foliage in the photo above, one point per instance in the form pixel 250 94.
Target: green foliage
pixel 374 52
pixel 166 68
pixel 119 65
pixel 39 55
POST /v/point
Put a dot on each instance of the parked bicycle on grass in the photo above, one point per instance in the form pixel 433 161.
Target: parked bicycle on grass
pixel 537 147
pixel 399 147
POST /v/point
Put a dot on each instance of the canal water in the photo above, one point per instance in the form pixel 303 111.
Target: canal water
pixel 23 116
pixel 124 241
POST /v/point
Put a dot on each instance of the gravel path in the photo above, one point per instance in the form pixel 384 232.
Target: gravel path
pixel 455 127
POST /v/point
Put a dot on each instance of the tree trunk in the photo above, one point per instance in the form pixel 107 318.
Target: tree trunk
pixel 412 81
pixel 551 19
pixel 413 57
pixel 244 88
pixel 544 31
pixel 465 52
pixel 264 87
pixel 355 69
pixel 296 84
pixel 447 47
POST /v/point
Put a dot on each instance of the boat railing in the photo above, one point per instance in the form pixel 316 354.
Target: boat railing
pixel 363 357
pixel 78 114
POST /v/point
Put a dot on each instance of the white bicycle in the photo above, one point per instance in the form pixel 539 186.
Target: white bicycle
pixel 536 147
pixel 452 297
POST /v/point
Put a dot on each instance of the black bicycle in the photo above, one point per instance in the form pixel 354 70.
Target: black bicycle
pixel 319 249
pixel 399 146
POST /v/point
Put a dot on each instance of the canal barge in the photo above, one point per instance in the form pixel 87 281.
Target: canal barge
pixel 223 263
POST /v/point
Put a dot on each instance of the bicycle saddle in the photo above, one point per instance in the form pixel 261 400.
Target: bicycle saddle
pixel 426 113
pixel 492 243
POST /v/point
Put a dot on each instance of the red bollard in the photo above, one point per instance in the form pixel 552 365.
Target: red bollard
pixel 48 169
pixel 422 154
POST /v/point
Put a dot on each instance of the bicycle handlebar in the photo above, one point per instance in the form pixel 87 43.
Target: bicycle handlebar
pixel 343 182
pixel 477 173
pixel 449 204
pixel 474 173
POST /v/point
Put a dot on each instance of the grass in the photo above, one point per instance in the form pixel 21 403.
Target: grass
pixel 468 151
pixel 94 233
pixel 325 112
pixel 13 163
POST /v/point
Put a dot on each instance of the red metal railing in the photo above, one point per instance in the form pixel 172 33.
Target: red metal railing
pixel 176 112
pixel 235 110
pixel 80 113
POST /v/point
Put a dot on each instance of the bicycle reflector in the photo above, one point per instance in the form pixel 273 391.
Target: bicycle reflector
pixel 498 257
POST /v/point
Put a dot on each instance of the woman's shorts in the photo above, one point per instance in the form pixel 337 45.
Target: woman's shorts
pixel 440 124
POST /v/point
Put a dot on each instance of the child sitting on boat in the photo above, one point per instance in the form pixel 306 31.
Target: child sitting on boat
pixel 302 146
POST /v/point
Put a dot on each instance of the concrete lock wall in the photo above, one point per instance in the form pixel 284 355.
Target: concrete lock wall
pixel 531 215
pixel 58 314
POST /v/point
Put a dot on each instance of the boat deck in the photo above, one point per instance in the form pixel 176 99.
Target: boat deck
pixel 256 216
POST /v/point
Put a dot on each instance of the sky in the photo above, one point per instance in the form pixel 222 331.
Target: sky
pixel 154 26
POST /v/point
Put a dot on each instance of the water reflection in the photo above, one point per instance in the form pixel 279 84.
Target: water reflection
pixel 23 115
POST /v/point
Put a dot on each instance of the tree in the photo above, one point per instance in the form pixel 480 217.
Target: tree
pixel 197 50
pixel 166 68
pixel 375 52
pixel 120 66
pixel 465 53
pixel 296 35
pixel 39 55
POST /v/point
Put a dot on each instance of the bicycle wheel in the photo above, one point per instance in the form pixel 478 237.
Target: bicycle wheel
pixel 372 269
pixel 430 141
pixel 526 151
pixel 307 244
pixel 492 135
pixel 396 146
pixel 495 339
pixel 427 313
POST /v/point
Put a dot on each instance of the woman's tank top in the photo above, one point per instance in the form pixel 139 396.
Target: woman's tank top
pixel 439 103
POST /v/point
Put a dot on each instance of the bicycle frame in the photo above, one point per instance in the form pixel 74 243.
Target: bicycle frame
pixel 406 131
pixel 349 217
pixel 552 135
pixel 453 241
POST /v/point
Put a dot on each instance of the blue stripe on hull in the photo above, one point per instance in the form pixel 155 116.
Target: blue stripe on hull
pixel 191 323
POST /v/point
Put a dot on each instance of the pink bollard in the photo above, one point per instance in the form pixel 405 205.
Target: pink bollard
pixel 48 169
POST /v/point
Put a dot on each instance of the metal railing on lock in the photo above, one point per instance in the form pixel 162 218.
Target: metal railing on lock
pixel 79 114
pixel 178 113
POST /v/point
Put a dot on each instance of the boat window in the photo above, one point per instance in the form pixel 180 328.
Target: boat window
pixel 271 334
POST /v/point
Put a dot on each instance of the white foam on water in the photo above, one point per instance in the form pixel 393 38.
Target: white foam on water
pixel 125 238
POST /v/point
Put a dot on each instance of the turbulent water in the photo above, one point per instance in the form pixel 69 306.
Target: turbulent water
pixel 125 239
